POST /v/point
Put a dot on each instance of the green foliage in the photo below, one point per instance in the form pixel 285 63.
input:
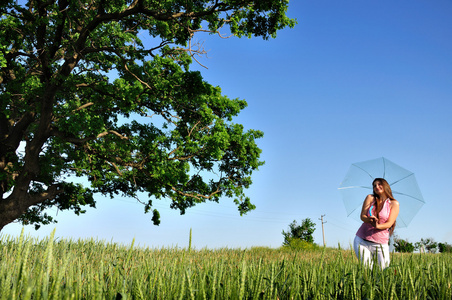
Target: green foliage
pixel 90 269
pixel 425 244
pixel 299 244
pixel 404 246
pixel 301 232
pixel 103 90
pixel 428 244
pixel 444 248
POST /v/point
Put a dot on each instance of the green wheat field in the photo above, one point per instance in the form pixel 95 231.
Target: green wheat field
pixel 89 269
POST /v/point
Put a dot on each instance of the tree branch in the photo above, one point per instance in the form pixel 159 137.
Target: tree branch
pixel 18 131
pixel 136 77
pixel 51 192
pixel 116 168
pixel 81 141
pixel 196 196
pixel 60 28
pixel 122 137
pixel 83 106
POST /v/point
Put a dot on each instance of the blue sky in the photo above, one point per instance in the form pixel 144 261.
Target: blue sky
pixel 353 81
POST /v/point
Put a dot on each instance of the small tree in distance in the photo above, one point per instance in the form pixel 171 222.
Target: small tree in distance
pixel 301 232
pixel 403 246
pixel 428 244
pixel 444 248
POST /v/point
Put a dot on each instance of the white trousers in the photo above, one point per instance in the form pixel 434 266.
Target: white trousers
pixel 367 251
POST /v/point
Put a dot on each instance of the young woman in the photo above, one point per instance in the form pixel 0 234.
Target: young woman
pixel 379 214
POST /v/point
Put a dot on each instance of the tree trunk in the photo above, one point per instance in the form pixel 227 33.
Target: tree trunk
pixel 11 209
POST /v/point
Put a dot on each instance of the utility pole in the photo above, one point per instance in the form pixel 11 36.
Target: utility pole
pixel 323 232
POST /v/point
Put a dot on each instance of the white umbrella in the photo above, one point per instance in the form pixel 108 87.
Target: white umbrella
pixel 357 184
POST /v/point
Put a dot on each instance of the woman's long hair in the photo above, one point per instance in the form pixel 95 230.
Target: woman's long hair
pixel 380 202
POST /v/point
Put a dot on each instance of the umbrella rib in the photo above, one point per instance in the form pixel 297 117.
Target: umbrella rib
pixel 403 194
pixel 352 212
pixel 354 186
pixel 364 171
pixel 402 178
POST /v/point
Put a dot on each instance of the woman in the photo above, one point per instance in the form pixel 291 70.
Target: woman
pixel 379 214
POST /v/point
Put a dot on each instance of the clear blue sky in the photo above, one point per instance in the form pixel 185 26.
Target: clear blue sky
pixel 354 80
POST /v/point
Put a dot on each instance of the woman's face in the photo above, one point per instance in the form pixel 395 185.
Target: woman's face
pixel 378 188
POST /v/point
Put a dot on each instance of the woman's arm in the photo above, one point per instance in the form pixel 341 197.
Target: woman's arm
pixel 365 209
pixel 392 216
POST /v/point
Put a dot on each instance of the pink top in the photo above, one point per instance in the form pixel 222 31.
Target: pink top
pixel 370 233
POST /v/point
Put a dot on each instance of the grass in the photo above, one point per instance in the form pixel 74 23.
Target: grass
pixel 91 269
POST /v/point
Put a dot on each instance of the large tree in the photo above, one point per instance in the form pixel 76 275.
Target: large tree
pixel 83 96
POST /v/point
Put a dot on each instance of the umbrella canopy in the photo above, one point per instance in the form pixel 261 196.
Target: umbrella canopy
pixel 357 184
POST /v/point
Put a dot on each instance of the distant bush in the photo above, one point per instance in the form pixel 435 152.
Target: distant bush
pixel 428 244
pixel 403 246
pixel 302 232
pixel 444 248
pixel 299 244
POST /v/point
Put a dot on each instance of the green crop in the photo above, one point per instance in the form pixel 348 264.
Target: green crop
pixel 91 269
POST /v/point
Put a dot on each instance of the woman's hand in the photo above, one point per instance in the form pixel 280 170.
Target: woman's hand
pixel 373 221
